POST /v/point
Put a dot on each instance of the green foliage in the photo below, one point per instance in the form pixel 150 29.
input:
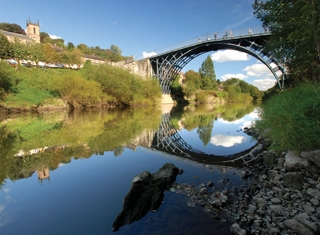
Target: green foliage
pixel 79 92
pixel 192 83
pixel 19 50
pixel 295 27
pixel 70 46
pixel 240 91
pixel 14 28
pixel 125 87
pixel 26 97
pixel 5 47
pixel 202 97
pixel 44 37
pixel 207 74
pixel 6 80
pixel 115 49
pixel 292 118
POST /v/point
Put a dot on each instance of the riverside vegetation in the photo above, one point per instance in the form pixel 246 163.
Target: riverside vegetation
pixel 28 88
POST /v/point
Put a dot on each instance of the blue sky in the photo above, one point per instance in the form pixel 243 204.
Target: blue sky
pixel 145 26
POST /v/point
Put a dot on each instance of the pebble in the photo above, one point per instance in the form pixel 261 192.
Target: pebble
pixel 263 206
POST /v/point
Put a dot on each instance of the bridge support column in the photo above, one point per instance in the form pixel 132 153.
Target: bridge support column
pixel 166 99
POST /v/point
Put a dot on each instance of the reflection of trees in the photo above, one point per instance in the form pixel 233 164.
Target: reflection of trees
pixel 118 151
pixel 7 140
pixel 67 137
pixel 204 130
pixel 202 117
pixel 236 111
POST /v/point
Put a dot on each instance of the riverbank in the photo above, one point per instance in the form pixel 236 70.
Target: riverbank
pixel 281 195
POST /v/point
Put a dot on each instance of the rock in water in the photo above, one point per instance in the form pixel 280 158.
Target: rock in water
pixel 146 194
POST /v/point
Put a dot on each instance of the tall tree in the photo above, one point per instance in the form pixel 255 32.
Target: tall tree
pixel 295 27
pixel 115 49
pixel 207 73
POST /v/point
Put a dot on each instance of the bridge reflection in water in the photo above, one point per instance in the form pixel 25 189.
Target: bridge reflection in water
pixel 168 140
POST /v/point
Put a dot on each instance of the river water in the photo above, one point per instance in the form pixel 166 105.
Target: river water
pixel 67 173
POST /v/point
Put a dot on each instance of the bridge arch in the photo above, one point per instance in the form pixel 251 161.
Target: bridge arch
pixel 166 66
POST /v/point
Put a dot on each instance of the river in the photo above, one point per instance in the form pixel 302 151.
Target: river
pixel 68 172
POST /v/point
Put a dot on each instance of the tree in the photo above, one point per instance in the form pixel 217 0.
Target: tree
pixel 36 52
pixel 19 50
pixel 70 46
pixel 14 28
pixel 192 83
pixel 207 74
pixel 51 55
pixel 84 48
pixel 5 80
pixel 295 27
pixel 44 37
pixel 5 47
pixel 115 49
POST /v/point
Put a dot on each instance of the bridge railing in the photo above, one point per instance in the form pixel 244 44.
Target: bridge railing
pixel 257 30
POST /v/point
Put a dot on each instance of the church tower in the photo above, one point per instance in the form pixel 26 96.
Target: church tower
pixel 33 31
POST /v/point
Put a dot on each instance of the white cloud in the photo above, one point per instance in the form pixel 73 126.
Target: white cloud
pixel 257 70
pixel 264 84
pixel 227 141
pixel 148 54
pixel 54 36
pixel 6 190
pixel 247 124
pixel 229 75
pixel 229 55
pixel 238 121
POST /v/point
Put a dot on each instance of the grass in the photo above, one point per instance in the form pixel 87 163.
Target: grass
pixel 292 119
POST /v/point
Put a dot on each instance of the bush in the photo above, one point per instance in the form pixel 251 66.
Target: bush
pixel 293 118
pixel 126 88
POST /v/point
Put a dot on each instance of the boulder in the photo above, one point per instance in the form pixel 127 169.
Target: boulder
pixel 293 162
pixel 293 180
pixel 313 156
pixel 300 225
pixel 146 194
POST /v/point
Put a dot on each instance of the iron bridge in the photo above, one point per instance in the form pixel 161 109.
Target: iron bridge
pixel 168 64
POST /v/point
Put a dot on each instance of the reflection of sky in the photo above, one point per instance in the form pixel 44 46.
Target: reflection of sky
pixel 4 215
pixel 227 137
pixel 226 140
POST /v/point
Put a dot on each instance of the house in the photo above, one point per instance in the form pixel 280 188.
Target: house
pixel 94 59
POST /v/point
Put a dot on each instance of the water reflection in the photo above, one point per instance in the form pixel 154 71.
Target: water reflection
pixel 226 141
pixel 115 146
pixel 32 143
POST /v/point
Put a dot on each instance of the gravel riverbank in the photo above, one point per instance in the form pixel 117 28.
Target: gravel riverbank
pixel 281 196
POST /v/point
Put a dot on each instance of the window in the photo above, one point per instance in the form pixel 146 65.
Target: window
pixel 34 30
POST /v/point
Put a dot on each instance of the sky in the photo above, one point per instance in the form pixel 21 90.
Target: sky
pixel 141 27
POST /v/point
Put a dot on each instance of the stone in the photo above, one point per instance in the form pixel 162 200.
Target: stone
pixel 146 194
pixel 293 162
pixel 309 209
pixel 235 228
pixel 270 158
pixel 275 200
pixel 313 156
pixel 300 225
pixel 293 180
pixel 315 202
pixel 210 184
pixel 314 193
